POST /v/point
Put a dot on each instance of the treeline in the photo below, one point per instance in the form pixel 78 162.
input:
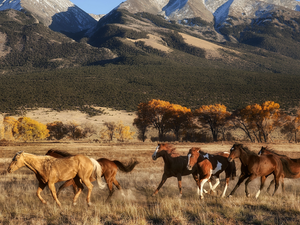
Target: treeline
pixel 124 87
pixel 27 129
pixel 256 121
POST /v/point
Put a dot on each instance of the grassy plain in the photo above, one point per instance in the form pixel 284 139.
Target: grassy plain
pixel 19 204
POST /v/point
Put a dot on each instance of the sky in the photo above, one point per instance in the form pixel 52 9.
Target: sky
pixel 97 6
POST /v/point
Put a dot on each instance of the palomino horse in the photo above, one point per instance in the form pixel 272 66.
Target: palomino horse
pixel 109 171
pixel 211 165
pixel 291 170
pixel 175 165
pixel 255 166
pixel 50 170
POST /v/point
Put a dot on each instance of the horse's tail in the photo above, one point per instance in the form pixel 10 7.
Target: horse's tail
pixel 286 168
pixel 126 168
pixel 233 169
pixel 97 172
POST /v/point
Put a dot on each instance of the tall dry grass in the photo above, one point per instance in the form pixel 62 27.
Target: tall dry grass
pixel 19 204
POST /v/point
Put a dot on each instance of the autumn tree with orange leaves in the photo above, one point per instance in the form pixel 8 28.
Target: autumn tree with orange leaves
pixel 215 117
pixel 261 120
pixel 163 116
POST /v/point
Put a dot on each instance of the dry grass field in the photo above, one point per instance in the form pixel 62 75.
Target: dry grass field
pixel 20 205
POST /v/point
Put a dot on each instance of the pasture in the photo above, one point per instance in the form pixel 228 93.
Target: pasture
pixel 20 205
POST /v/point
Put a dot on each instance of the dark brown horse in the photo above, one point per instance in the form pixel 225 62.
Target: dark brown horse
pixel 255 166
pixel 109 171
pixel 211 165
pixel 292 168
pixel 175 165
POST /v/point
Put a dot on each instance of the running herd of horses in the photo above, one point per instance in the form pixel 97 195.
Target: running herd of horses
pixel 78 169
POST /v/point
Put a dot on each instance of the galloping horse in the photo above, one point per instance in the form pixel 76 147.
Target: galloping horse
pixel 291 170
pixel 210 165
pixel 50 170
pixel 175 165
pixel 255 166
pixel 109 171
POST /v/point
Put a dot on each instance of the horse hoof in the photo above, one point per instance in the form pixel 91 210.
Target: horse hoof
pixel 153 195
pixel 201 197
pixel 180 196
pixel 248 195
pixel 90 204
pixel 74 203
pixel 229 196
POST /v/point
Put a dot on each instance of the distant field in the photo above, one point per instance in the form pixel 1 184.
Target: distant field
pixel 19 204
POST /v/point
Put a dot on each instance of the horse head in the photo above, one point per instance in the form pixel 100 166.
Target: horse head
pixel 234 152
pixel 161 149
pixel 262 150
pixel 192 157
pixel 17 162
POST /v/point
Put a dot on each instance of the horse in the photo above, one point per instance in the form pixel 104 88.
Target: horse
pixel 292 165
pixel 175 165
pixel 109 171
pixel 50 170
pixel 211 165
pixel 255 166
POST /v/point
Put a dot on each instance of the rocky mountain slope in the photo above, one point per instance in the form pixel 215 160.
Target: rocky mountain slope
pixel 59 15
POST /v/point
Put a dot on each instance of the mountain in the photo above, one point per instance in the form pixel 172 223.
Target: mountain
pixel 59 15
pixel 27 45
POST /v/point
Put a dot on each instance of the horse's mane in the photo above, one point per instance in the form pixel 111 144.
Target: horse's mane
pixel 62 153
pixel 246 149
pixel 273 152
pixel 172 150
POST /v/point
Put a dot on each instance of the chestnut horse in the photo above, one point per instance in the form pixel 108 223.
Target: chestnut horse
pixel 109 171
pixel 292 170
pixel 211 165
pixel 175 165
pixel 255 166
pixel 49 170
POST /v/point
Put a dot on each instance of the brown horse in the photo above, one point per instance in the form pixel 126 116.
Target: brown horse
pixel 51 170
pixel 109 171
pixel 255 166
pixel 292 168
pixel 211 165
pixel 175 165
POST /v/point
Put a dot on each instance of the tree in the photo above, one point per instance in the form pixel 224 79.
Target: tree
pixel 57 130
pixel 178 118
pixel 262 119
pixel 108 133
pixel 123 133
pixel 28 129
pixel 143 120
pixel 213 116
pixel 291 126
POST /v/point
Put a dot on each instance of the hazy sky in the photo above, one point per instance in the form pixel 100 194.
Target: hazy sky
pixel 97 6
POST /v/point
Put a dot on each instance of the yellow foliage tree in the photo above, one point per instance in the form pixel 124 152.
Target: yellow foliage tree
pixel 28 129
pixel 9 123
pixel 215 116
pixel 108 133
pixel 262 119
pixel 123 133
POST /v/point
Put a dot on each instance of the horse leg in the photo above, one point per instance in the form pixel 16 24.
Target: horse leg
pixel 110 188
pixel 271 183
pixel 226 186
pixel 201 184
pixel 179 185
pixel 252 177
pixel 262 182
pixel 41 187
pixel 216 184
pixel 89 185
pixel 116 183
pixel 53 192
pixel 80 187
pixel 67 184
pixel 163 180
pixel 242 177
pixel 277 180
